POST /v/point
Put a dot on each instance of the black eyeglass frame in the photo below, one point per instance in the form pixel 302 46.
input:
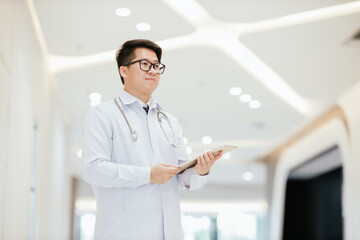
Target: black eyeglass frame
pixel 152 65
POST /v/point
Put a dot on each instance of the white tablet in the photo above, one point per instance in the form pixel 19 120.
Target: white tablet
pixel 189 164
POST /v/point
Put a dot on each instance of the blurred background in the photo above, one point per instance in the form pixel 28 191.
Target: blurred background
pixel 279 79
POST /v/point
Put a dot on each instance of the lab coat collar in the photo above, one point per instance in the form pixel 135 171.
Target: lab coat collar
pixel 128 99
pixel 154 104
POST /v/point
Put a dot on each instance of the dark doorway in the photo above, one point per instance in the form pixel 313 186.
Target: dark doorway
pixel 313 203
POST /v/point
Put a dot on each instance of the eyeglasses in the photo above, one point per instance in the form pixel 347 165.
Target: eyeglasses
pixel 146 66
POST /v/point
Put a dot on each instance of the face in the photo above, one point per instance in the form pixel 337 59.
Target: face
pixel 137 82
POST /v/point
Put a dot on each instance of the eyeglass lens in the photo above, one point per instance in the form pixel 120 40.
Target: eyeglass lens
pixel 145 65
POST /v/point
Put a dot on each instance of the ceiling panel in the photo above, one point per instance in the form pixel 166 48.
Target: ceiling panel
pixel 87 27
pixel 196 87
pixel 251 11
pixel 312 58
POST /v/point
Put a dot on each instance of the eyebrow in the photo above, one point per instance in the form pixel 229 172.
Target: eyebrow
pixel 156 61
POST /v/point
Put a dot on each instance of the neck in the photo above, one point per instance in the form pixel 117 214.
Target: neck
pixel 142 97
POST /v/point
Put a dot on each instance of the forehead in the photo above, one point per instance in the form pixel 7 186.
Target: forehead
pixel 145 53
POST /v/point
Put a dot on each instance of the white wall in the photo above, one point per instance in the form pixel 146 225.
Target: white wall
pixel 27 98
pixel 350 105
pixel 4 102
pixel 16 114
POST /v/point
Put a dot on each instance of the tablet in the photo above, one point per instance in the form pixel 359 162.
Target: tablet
pixel 189 164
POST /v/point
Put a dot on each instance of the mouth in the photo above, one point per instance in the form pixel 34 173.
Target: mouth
pixel 150 79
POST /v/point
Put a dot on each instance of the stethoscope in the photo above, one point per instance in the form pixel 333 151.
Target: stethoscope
pixel 160 115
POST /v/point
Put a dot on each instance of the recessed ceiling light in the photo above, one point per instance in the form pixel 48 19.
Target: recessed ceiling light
pixel 254 104
pixel 143 27
pixel 95 96
pixel 248 176
pixel 235 91
pixel 206 140
pixel 188 150
pixel 245 98
pixel 79 153
pixel 123 12
pixel 227 155
pixel 185 140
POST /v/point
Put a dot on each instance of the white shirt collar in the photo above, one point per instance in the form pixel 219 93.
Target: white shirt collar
pixel 128 99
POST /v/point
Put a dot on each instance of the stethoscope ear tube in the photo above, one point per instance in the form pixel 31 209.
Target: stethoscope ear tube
pixel 134 135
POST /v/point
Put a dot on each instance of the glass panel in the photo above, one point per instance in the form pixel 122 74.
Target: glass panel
pixel 224 221
pixel 196 227
pixel 87 226
pixel 236 226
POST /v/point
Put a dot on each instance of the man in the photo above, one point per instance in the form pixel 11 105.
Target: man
pixel 131 151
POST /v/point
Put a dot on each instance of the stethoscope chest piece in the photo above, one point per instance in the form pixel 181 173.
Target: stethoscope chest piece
pixel 134 136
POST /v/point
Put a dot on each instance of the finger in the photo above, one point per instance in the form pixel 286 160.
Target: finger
pixel 172 170
pixel 211 156
pixel 168 165
pixel 219 155
pixel 207 154
pixel 203 162
pixel 215 157
pixel 175 170
pixel 171 173
pixel 198 160
pixel 208 158
pixel 216 153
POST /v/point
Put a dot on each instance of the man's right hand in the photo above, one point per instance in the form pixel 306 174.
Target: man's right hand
pixel 162 173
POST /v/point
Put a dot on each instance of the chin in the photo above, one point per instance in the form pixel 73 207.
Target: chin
pixel 149 91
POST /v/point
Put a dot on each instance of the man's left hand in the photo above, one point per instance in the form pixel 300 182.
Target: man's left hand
pixel 205 162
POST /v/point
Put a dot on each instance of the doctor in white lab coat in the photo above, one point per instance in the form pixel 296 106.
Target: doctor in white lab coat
pixel 135 175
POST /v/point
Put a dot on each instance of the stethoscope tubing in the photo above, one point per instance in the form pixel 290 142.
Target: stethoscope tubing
pixel 134 134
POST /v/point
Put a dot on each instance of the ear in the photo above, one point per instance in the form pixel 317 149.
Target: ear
pixel 123 71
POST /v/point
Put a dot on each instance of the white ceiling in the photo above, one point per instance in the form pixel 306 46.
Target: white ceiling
pixel 295 64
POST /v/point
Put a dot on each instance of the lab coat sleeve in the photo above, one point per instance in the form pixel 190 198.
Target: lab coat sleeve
pixel 99 170
pixel 189 179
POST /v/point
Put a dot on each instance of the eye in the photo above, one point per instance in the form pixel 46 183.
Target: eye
pixel 156 65
pixel 145 63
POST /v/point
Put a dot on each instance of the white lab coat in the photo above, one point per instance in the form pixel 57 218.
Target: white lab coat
pixel 118 168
